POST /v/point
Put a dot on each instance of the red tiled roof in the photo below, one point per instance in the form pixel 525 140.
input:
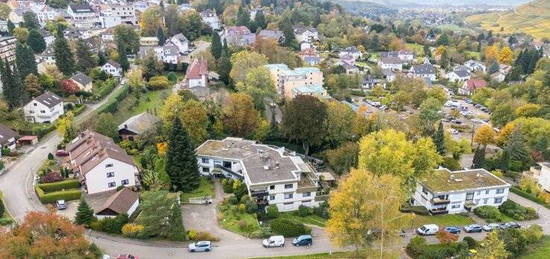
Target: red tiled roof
pixel 197 69
pixel 474 84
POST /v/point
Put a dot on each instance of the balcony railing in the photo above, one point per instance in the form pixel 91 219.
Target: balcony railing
pixel 231 172
pixel 438 211
pixel 439 201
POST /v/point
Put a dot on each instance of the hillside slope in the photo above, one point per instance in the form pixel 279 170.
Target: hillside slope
pixel 532 18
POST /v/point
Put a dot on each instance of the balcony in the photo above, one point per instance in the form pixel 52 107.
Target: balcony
pixel 440 201
pixel 260 194
pixel 229 171
pixel 439 211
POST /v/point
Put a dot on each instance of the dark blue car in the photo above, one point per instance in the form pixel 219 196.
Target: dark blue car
pixel 452 230
pixel 303 240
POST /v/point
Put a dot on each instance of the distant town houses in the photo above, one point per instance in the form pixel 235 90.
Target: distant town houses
pixel 304 79
pixel 210 18
pixel 238 36
pixel 391 63
pixel 310 57
pixel 403 55
pixel 388 75
pixel 112 15
pixel 471 85
pixel 275 35
pixel 475 66
pixel 169 53
pixel 181 42
pixel 197 74
pixel 307 34
pixel 112 68
pixel 451 192
pixel 273 175
pixel 459 75
pixel 138 126
pixel 45 108
pixel 423 71
pixel 100 164
pixel 7 138
pixel 83 16
pixel 351 51
pixel 83 82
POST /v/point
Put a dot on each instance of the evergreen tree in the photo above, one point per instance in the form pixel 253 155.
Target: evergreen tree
pixel 479 157
pixel 288 32
pixel 444 60
pixel 11 27
pixel 516 146
pixel 260 20
pixel 181 162
pixel 85 61
pixel 504 163
pixel 224 67
pixel 24 59
pixel 36 41
pixel 161 36
pixel 84 213
pixel 14 93
pixel 30 20
pixel 101 58
pixel 494 67
pixel 64 59
pixel 122 57
pixel 216 48
pixel 442 40
pixel 243 17
pixel 439 139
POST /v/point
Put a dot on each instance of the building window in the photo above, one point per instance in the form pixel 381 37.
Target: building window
pixel 125 182
pixel 469 196
pixel 307 201
pixel 424 190
pixel 205 160
pixel 498 200
pixel 499 191
pixel 485 201
pixel 272 187
pixel 288 186
pixel 271 197
pixel 110 174
pixel 288 203
pixel 206 170
pixel 111 184
pixel 289 196
pixel 487 191
pixel 306 194
pixel 108 165
pixel 455 206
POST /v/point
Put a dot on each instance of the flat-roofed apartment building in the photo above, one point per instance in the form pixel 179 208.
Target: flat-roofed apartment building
pixel 271 174
pixel 445 191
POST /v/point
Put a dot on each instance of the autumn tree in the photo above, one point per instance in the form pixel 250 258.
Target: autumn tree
pixel 46 235
pixel 491 52
pixel 492 247
pixel 240 117
pixel 32 85
pixel 339 123
pixel 69 86
pixel 244 61
pixel 505 56
pixel 343 158
pixel 21 34
pixel 485 135
pixel 5 10
pixel 258 85
pixel 304 118
pixel 135 79
pixel 363 202
pixel 445 237
pixel 151 19
pixel 194 117
pixel 130 37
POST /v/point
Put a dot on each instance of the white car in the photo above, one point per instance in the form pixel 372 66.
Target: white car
pixel 274 241
pixel 201 246
pixel 427 230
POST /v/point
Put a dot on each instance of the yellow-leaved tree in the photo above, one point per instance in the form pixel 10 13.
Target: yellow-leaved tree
pixel 485 135
pixel 364 211
pixel 505 56
pixel 491 248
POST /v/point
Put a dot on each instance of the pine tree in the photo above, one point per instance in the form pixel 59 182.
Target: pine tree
pixel 243 17
pixel 439 139
pixel 260 20
pixel 11 27
pixel 288 32
pixel 64 59
pixel 84 214
pixel 14 93
pixel 122 57
pixel 161 36
pixel 479 157
pixel 516 146
pixel 181 162
pixel 36 41
pixel 85 61
pixel 504 163
pixel 224 67
pixel 24 59
pixel 216 48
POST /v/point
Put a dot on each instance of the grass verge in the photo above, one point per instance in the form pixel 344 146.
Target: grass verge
pixel 206 188
pixel 310 219
pixel 236 220
pixel 541 250
pixel 442 220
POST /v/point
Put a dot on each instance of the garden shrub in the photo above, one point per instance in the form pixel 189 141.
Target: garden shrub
pixel 514 241
pixel 304 211
pixel 227 185
pixel 58 186
pixel 233 200
pixel 110 225
pixel 132 230
pixel 516 211
pixel 51 177
pixel 321 210
pixel 272 211
pixel 416 246
pixel 289 228
pixel 488 212
pixel 472 243
pixel 50 156
pixel 6 221
pixel 51 197
pixel 533 234
pixel 419 210
pixel 251 207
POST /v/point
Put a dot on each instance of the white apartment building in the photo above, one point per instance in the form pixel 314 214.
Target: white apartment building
pixel 7 48
pixel 100 163
pixel 272 175
pixel 113 68
pixel 210 18
pixel 83 16
pixel 112 15
pixel 450 192
pixel 541 173
pixel 45 108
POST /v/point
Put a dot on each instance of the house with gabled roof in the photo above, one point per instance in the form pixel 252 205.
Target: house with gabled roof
pixel 197 74
pixel 45 108
pixel 112 68
pixel 308 34
pixel 424 71
pixel 7 138
pixel 275 35
pixel 137 126
pixel 83 81
pixel 181 42
pixel 238 36
pixel 471 85
pixel 459 75
pixel 100 164
pixel 124 201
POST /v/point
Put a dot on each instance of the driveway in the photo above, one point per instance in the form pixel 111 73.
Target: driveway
pixel 544 213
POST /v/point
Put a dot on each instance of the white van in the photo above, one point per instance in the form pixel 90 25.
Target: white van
pixel 274 241
pixel 427 230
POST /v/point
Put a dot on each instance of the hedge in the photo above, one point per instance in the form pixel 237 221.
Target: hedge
pixel 420 210
pixel 289 228
pixel 71 194
pixel 58 186
pixel 106 88
pixel 528 196
pixel 113 102
pixel 78 109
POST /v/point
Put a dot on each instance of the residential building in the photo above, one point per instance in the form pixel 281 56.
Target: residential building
pixel 148 41
pixel 541 172
pixel 112 68
pixel 306 45
pixel 7 139
pixel 391 63
pixel 424 71
pixel 286 79
pixel 238 36
pixel 471 85
pixel 210 18
pixel 458 76
pixel 313 90
pixel 403 55
pixel 7 48
pixel 369 82
pixel 112 15
pixel 273 176
pixel 45 13
pixel 83 16
pixel 498 76
pixel 350 69
pixel 181 42
pixel 83 82
pixel 197 74
pixel 275 35
pixel 347 59
pixel 308 34
pixel 168 53
pixel 45 108
pixel 388 74
pixel 138 125
pixel 475 66
pixel 351 51
pixel 445 191
pixel 100 164
pixel 124 201
pixel 310 57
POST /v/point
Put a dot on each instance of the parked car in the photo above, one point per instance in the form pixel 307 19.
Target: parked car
pixel 427 230
pixel 274 241
pixel 201 246
pixel 127 256
pixel 490 227
pixel 473 228
pixel 60 204
pixel 453 131
pixel 303 240
pixel 61 152
pixel 509 225
pixel 452 230
pixel 456 122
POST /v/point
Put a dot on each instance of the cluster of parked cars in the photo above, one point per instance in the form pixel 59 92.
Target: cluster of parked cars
pixel 432 229
pixel 272 241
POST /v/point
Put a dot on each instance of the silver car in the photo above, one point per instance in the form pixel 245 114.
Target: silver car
pixel 201 246
pixel 490 227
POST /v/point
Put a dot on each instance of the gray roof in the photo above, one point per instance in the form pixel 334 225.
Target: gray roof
pixel 424 69
pixel 391 60
pixel 170 50
pixel 302 29
pixel 140 123
pixel 462 73
pixel 6 134
pixel 180 37
pixel 114 63
pixel 49 99
pixel 81 8
pixel 81 78
pixel 272 34
pixel 120 202
pixel 262 163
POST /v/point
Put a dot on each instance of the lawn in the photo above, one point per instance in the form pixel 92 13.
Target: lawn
pixel 442 220
pixel 311 219
pixel 337 255
pixel 236 220
pixel 206 188
pixel 541 250
pixel 150 101
pixel 416 48
pixel 5 219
